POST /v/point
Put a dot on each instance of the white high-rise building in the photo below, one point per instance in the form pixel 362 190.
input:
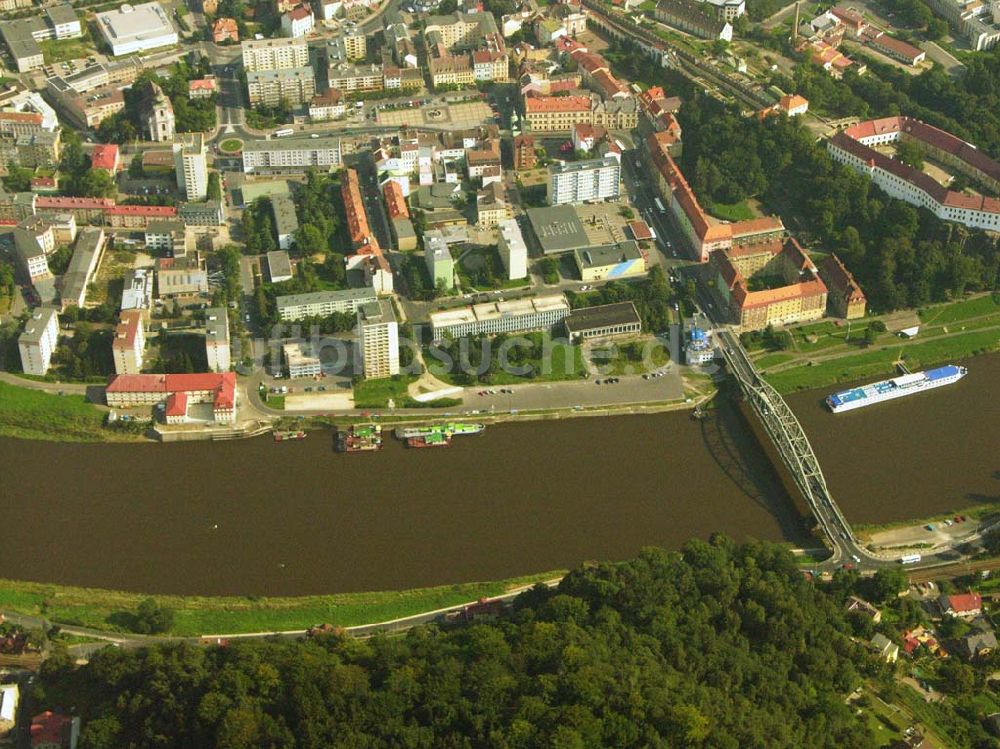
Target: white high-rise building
pixel 513 250
pixel 217 339
pixel 129 342
pixel 191 165
pixel 379 334
pixel 38 341
pixel 577 181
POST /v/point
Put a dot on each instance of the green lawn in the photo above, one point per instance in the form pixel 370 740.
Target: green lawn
pixel 566 363
pixel 277 402
pixel 376 393
pixel 231 145
pixel 61 50
pixel 825 335
pixel 772 360
pixel 90 607
pixel 945 314
pixel 879 361
pixel 621 364
pixel 731 211
pixel 33 414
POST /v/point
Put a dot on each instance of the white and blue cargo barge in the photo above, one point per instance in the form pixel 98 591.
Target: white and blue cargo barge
pixel 897 387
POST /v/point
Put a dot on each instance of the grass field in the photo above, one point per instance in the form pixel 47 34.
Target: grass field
pixel 231 145
pixel 731 211
pixel 945 314
pixel 879 361
pixel 32 414
pixel 376 393
pixel 61 50
pixel 566 363
pixel 620 364
pixel 91 607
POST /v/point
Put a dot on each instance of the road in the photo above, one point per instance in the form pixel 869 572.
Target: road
pixel 952 65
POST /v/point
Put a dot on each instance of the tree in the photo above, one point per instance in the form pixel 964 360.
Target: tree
pixel 214 191
pixel 887 583
pixel 17 179
pixel 152 618
pixel 910 153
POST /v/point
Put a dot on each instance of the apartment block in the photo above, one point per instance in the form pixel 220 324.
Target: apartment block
pixel 269 88
pixel 291 155
pixel 575 182
pixel 274 54
pixel 379 339
pixel 490 318
pixel 38 340
pixel 129 342
pixel 322 303
pixel 191 166
pixel 217 339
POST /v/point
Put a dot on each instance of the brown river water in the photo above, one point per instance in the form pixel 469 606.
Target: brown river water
pixel 259 518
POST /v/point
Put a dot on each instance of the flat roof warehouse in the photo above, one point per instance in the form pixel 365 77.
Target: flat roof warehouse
pixel 558 229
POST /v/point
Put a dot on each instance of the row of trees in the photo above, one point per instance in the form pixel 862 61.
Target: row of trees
pixel 653 298
pixel 719 645
pixel 901 255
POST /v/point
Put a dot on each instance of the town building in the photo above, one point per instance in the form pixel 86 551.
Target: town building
pixel 491 318
pixel 291 155
pixel 322 303
pixel 137 293
pixel 279 266
pixel 22 35
pixel 300 360
pixel 178 393
pixel 845 299
pixel 793 105
pixel 203 88
pixel 491 205
pixel 579 181
pixel 962 605
pixel 129 342
pixel 274 54
pixel 328 105
pixel 201 213
pixel 800 297
pixel 54 731
pixel 106 157
pixel 977 21
pixel 167 235
pixel 87 253
pixel 138 216
pixel 698 347
pixel 297 22
pixel 378 332
pixel 895 48
pixel 10 696
pixel 980 641
pixel 440 265
pixel 181 276
pixel 191 165
pixel 694 17
pixel 217 348
pixel 610 262
pixel 855 147
pixel 347 77
pixel 38 340
pixel 603 321
pixel 286 224
pixel 136 28
pixel 225 30
pixel 885 648
pixel 157 113
pixel 560 113
pixel 524 152
pixel 512 248
pixel 703 234
pixel 269 88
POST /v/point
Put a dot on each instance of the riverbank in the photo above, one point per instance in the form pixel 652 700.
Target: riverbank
pixel 35 414
pixel 194 616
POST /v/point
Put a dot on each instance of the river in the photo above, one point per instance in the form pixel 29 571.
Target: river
pixel 259 518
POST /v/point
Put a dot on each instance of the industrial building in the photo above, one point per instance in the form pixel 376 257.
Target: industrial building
pixel 136 28
pixel 610 262
pixel 603 321
pixel 557 229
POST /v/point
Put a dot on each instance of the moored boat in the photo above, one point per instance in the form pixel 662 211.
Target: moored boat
pixel 360 438
pixel 897 387
pixel 430 440
pixel 289 434
pixel 450 429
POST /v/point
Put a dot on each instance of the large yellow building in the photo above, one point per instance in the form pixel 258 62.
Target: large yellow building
pixel 801 297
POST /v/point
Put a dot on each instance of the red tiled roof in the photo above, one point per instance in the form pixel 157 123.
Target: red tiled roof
pixel 62 203
pixel 33 117
pixel 104 156
pixel 202 84
pixel 43 182
pixel 127 330
pixel 640 230
pixel 152 211
pixel 299 12
pixel 557 104
pixel 48 728
pixel 965 602
pixel 177 404
pixel 354 208
pixel 395 201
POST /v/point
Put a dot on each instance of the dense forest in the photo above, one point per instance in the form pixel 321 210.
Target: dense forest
pixel 720 645
pixel 901 255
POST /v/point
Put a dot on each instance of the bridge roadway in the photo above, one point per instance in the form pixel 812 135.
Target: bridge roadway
pixel 797 454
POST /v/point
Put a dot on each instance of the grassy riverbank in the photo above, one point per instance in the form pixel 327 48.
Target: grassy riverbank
pixel 974 512
pixel 96 608
pixel 881 361
pixel 34 414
